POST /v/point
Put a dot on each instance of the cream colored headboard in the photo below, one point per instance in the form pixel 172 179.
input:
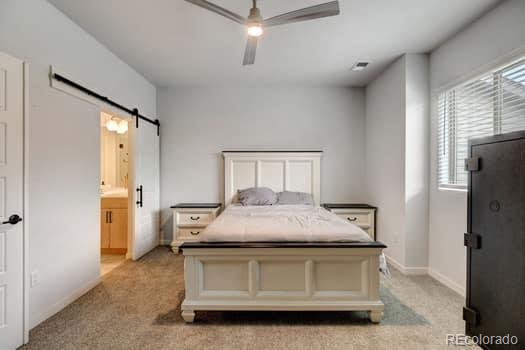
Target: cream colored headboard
pixel 280 171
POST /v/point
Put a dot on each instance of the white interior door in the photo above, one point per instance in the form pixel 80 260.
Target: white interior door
pixel 146 174
pixel 11 202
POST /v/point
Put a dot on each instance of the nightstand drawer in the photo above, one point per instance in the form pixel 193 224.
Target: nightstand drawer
pixel 357 218
pixel 190 232
pixel 362 215
pixel 190 219
pixel 195 218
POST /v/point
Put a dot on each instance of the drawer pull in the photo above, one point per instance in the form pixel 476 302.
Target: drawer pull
pixel 195 218
pixel 351 219
pixel 194 233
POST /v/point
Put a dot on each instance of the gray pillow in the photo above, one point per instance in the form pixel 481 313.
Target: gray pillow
pixel 288 197
pixel 257 196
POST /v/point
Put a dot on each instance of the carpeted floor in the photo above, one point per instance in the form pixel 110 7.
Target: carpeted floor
pixel 109 262
pixel 137 306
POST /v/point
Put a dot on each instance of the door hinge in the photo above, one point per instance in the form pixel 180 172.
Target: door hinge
pixel 472 240
pixel 472 164
pixel 470 316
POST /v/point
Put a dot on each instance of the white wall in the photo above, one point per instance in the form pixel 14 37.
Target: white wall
pixel 492 40
pixel 64 148
pixel 396 159
pixel 199 123
pixel 417 134
pixel 385 155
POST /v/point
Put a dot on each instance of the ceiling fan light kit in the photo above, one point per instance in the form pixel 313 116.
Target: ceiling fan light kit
pixel 255 29
pixel 255 23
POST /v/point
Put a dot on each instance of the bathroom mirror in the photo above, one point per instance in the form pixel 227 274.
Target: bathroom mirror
pixel 114 152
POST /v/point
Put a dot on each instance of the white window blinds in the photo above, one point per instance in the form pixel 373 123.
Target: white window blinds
pixel 491 104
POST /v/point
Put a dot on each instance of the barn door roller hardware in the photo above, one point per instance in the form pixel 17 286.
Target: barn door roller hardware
pixel 107 100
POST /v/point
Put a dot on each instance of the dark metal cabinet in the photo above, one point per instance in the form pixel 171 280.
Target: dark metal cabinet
pixel 495 300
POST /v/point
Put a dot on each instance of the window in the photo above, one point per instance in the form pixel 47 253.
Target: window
pixel 491 104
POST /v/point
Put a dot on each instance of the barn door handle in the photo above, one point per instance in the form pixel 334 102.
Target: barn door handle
pixel 139 196
pixel 13 220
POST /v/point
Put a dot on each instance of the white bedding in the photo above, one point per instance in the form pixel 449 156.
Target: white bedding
pixel 281 223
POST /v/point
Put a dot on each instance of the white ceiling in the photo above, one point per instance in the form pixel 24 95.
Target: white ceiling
pixel 174 43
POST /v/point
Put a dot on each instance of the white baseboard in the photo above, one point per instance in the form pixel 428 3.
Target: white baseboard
pixel 165 242
pixel 415 271
pixel 53 309
pixel 447 282
pixel 410 271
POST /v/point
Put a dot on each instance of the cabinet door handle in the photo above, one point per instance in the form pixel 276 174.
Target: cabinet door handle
pixel 195 218
pixel 194 233
pixel 351 219
pixel 107 217
pixel 110 217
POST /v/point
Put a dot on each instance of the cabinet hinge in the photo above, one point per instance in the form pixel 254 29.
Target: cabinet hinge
pixel 472 240
pixel 470 316
pixel 472 164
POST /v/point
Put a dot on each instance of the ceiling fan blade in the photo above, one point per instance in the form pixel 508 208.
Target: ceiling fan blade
pixel 218 10
pixel 313 12
pixel 251 49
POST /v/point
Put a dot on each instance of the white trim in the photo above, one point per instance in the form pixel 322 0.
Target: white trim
pixel 409 271
pixel 454 189
pixel 420 271
pixel 165 242
pixel 25 226
pixel 58 306
pixel 447 282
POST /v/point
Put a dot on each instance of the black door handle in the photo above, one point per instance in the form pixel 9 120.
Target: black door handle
pixel 139 195
pixel 13 220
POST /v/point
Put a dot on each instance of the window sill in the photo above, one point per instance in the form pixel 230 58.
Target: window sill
pixel 453 188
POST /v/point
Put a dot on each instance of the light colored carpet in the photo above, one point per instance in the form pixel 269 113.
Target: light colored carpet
pixel 137 306
pixel 108 262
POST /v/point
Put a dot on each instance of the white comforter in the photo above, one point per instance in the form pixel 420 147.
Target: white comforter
pixel 281 223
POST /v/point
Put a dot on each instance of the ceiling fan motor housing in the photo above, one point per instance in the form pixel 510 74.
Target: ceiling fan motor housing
pixel 255 16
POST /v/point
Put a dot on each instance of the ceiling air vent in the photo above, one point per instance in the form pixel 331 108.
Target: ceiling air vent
pixel 359 66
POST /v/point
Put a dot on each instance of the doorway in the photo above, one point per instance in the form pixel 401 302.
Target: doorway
pixel 114 191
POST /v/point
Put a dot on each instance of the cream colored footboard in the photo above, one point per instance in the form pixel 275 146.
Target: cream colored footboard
pixel 300 278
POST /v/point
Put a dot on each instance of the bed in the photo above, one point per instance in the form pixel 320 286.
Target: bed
pixel 290 258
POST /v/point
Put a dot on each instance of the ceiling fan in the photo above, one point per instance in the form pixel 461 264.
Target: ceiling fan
pixel 255 24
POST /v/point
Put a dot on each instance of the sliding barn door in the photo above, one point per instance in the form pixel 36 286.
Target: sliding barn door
pixel 146 159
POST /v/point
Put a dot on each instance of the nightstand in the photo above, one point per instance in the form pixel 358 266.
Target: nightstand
pixel 189 219
pixel 363 215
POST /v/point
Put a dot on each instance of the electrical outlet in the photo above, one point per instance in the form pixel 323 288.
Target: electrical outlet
pixel 34 278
